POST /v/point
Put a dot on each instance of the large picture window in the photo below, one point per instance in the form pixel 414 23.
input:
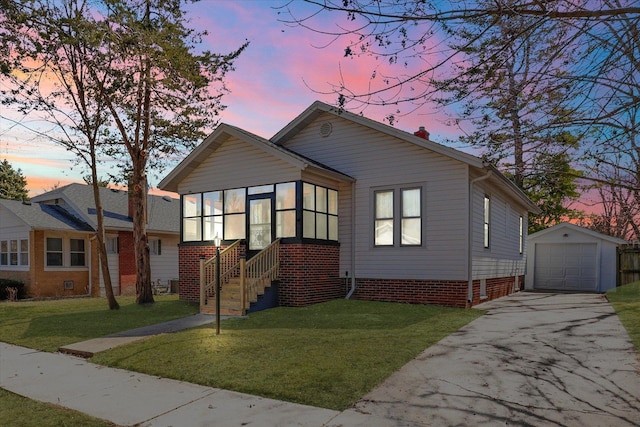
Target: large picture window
pixel 398 217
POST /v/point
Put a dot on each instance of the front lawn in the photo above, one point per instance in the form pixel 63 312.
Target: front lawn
pixel 327 355
pixel 19 411
pixel 626 301
pixel 48 325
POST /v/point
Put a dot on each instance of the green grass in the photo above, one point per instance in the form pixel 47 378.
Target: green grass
pixel 48 325
pixel 626 302
pixel 327 355
pixel 18 411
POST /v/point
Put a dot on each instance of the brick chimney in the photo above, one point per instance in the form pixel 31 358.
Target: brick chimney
pixel 422 133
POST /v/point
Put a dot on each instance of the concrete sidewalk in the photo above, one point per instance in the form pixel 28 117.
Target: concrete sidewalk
pixel 89 347
pixel 132 399
pixel 534 359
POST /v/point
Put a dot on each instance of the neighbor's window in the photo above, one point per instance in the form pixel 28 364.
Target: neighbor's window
pixel 112 245
pixel 486 220
pixel 4 252
pixel 13 252
pixel 383 218
pixel 24 252
pixel 77 255
pixel 155 246
pixel 54 251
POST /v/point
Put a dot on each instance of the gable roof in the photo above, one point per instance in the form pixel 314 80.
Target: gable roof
pixel 276 146
pixel 77 200
pixel 44 217
pixel 225 131
pixel 578 229
pixel 318 108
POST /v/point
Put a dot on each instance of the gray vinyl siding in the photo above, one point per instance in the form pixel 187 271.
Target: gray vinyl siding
pixel 237 164
pixel 378 161
pixel 503 257
pixel 164 267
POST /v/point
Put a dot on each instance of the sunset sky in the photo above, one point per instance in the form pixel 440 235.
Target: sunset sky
pixel 281 73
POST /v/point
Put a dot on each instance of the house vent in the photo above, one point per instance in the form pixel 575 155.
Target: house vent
pixel 68 284
pixel 325 129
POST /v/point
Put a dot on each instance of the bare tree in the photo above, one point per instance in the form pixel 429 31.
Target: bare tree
pixel 156 94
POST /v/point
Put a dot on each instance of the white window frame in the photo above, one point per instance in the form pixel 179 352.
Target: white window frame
pixel 66 253
pixel 398 216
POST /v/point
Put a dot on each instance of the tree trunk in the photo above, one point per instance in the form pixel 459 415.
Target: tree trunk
pixel 102 248
pixel 144 291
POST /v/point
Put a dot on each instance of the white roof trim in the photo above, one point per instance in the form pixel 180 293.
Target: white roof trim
pixel 577 229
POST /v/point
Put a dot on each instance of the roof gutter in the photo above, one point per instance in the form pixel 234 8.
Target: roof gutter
pixel 470 236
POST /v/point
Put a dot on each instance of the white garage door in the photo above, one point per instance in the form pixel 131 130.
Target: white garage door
pixel 566 266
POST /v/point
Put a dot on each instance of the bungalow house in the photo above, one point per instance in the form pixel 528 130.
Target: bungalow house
pixel 356 208
pixel 49 242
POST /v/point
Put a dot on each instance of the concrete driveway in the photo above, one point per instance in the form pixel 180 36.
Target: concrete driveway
pixel 534 360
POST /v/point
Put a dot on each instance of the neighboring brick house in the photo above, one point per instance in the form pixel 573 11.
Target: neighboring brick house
pixel 360 208
pixel 49 242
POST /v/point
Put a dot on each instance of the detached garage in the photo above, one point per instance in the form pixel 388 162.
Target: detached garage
pixel 567 257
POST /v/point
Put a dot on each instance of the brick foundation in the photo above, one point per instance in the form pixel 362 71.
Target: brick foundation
pixel 309 274
pixel 437 292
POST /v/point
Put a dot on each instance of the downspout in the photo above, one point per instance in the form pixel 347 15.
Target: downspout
pixel 470 236
pixel 353 241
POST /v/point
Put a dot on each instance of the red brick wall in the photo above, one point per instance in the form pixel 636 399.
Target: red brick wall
pixel 127 263
pixel 438 292
pixel 496 288
pixel 309 274
pixel 189 270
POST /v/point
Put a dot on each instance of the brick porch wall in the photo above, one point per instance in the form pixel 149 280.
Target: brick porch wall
pixel 309 274
pixel 189 270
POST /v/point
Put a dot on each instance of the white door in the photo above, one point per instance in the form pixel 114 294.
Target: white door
pixel 566 266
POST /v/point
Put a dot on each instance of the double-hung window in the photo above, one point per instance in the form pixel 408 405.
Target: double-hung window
pixel 398 219
pixel 55 254
pixel 486 220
